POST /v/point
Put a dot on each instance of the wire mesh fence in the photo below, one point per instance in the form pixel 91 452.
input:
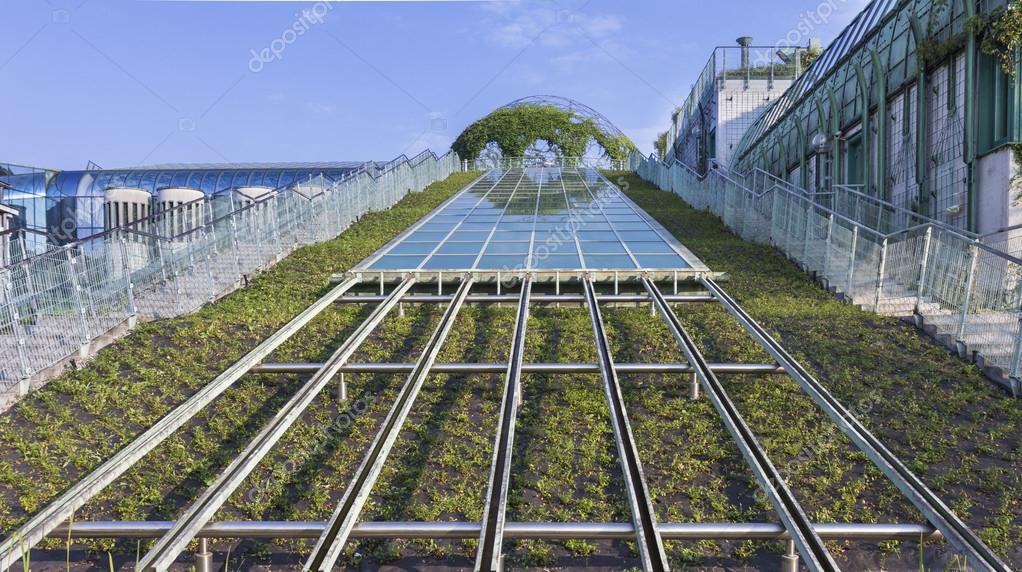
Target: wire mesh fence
pixel 54 304
pixel 891 263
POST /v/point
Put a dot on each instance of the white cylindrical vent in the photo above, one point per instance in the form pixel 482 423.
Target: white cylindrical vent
pixel 124 205
pixel 180 209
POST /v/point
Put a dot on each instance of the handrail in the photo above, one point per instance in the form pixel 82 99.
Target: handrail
pixel 153 218
pixel 723 173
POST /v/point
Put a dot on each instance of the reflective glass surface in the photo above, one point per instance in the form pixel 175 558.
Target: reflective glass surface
pixel 537 218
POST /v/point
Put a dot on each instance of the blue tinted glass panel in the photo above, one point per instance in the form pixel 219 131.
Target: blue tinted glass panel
pixel 610 261
pixel 396 262
pixel 536 218
pixel 557 261
pixel 661 261
pixel 439 262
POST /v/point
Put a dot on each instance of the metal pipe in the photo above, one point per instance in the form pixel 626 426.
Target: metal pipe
pixel 958 534
pixel 490 555
pixel 498 367
pixel 167 549
pixel 787 507
pixel 516 530
pixel 652 553
pixel 345 516
pixel 512 298
pixel 76 496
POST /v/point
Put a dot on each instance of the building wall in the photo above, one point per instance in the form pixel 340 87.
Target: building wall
pixel 926 135
pixel 739 104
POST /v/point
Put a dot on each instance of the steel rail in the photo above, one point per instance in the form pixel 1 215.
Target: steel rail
pixel 518 530
pixel 330 544
pixel 512 298
pixel 37 527
pixel 794 518
pixel 489 557
pixel 929 504
pixel 166 550
pixel 651 545
pixel 497 367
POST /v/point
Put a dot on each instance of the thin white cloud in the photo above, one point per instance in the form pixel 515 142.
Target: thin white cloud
pixel 516 25
pixel 320 108
pixel 439 143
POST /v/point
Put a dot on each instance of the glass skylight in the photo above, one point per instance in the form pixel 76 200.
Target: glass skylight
pixel 536 218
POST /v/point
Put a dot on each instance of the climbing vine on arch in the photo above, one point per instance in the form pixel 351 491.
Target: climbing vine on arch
pixel 515 129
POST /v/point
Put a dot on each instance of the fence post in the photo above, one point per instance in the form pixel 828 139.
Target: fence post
pixel 128 285
pixel 1016 360
pixel 922 271
pixel 233 222
pixel 805 235
pixel 880 276
pixel 19 332
pixel 851 262
pixel 966 300
pixel 77 288
pixel 826 251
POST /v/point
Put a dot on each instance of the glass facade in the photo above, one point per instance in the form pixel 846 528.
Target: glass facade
pixel 68 205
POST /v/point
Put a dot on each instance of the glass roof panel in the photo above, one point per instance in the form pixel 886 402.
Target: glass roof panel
pixel 536 218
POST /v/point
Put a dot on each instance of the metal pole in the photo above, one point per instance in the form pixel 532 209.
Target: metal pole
pixel 167 549
pixel 851 263
pixel 787 507
pixel 513 530
pixel 498 367
pixel 52 515
pixel 923 261
pixel 203 557
pixel 334 538
pixel 651 546
pixel 536 298
pixel 490 556
pixel 929 504
pixel 789 562
pixel 826 252
pixel 967 299
pixel 129 287
pixel 78 298
pixel 880 276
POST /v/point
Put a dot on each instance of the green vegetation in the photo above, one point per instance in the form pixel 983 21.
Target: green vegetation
pixel 959 433
pixel 661 143
pixel 954 428
pixel 59 433
pixel 515 129
pixel 1000 35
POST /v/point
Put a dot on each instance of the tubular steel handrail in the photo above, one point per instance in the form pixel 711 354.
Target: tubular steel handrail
pixel 177 259
pixel 490 557
pixel 166 550
pixel 519 530
pixel 334 538
pixel 803 534
pixel 955 281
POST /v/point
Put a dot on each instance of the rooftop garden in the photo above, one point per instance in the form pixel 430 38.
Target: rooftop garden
pixel 955 429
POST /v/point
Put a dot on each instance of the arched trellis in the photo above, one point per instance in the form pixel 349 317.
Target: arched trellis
pixel 567 126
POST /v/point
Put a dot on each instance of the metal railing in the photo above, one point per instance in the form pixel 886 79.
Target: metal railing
pixel 53 305
pixel 963 288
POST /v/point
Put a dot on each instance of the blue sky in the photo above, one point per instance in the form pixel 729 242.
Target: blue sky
pixel 125 83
